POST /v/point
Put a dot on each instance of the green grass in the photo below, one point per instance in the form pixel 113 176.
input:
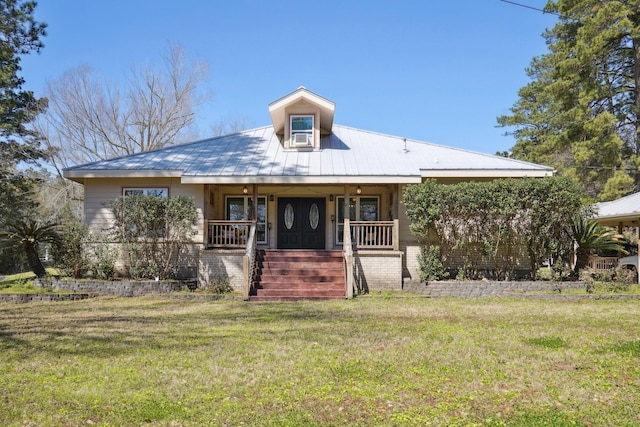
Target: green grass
pixel 370 361
pixel 23 282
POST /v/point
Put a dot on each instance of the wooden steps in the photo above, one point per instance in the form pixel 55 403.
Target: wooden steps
pixel 291 275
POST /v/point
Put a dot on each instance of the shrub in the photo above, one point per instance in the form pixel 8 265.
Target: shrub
pixel 496 224
pixel 217 285
pixel 70 255
pixel 153 231
pixel 431 267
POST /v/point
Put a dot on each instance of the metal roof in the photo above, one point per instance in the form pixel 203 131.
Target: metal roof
pixel 628 206
pixel 347 155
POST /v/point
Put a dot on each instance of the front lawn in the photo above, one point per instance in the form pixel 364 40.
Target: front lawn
pixel 23 282
pixel 369 361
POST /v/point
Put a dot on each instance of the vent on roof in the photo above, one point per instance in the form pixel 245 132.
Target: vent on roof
pixel 301 139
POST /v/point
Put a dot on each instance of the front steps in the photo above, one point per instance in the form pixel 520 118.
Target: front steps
pixel 291 275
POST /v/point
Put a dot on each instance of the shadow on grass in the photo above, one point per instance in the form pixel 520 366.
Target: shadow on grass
pixel 116 327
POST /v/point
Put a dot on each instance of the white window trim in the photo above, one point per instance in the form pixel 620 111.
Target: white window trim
pixel 246 211
pixel 340 201
pixel 309 133
pixel 146 190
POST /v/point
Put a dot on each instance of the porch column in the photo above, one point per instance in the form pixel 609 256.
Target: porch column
pixel 345 201
pixel 396 203
pixel 255 202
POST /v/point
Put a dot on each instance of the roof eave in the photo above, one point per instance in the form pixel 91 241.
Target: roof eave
pixel 335 179
pixel 485 173
pixel 81 175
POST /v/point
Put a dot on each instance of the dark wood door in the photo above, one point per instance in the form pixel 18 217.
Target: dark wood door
pixel 301 223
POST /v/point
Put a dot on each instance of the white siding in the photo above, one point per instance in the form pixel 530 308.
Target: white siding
pixel 100 192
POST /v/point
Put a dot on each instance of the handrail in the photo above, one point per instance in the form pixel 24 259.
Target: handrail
pixel 374 234
pixel 227 234
pixel 602 263
pixel 348 258
pixel 249 261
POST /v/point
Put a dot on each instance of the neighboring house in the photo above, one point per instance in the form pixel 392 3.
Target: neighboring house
pixel 620 213
pixel 306 181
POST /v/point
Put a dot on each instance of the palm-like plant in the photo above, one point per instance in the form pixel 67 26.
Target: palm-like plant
pixel 590 236
pixel 29 235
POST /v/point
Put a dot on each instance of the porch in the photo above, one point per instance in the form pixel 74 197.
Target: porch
pixel 370 257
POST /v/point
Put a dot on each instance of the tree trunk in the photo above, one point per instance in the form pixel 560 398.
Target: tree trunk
pixel 582 259
pixel 34 260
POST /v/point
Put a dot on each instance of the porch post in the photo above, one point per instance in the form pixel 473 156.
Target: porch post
pixel 396 204
pixel 396 234
pixel 255 202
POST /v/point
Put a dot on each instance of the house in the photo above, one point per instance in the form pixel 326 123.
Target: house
pixel 620 214
pixel 308 185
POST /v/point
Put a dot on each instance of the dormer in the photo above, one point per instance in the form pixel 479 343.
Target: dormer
pixel 300 118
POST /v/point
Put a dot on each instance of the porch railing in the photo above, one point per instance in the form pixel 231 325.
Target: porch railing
pixel 602 263
pixel 374 234
pixel 227 234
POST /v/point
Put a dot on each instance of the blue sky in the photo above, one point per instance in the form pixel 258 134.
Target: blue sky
pixel 437 71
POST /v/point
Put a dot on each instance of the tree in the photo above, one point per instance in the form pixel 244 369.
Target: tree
pixel 20 35
pixel 579 113
pixel 29 236
pixel 89 119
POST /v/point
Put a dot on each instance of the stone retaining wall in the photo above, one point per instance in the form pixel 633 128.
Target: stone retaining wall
pixel 486 288
pixel 44 297
pixel 119 288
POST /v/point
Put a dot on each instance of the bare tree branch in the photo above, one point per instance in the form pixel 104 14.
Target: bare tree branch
pixel 90 119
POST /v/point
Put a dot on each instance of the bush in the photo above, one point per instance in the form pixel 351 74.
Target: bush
pixel 218 285
pixel 82 253
pixel 431 267
pixel 71 255
pixel 153 231
pixel 610 281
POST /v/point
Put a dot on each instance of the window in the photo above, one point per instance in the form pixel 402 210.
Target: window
pixel 240 208
pixel 160 192
pixel 360 209
pixel 301 131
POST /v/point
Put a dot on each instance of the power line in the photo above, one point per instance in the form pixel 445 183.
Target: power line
pixel 528 7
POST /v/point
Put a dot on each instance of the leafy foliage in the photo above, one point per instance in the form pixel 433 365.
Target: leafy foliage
pixel 82 253
pixel 154 231
pixel 431 267
pixel 20 35
pixel 590 237
pixel 579 113
pixel 492 226
pixel 29 236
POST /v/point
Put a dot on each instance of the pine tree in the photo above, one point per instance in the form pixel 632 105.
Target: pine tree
pixel 20 35
pixel 579 113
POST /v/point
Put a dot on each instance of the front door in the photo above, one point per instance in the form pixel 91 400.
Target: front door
pixel 301 223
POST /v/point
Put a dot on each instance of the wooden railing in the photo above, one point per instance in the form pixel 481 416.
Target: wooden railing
pixel 227 234
pixel 374 234
pixel 348 259
pixel 602 263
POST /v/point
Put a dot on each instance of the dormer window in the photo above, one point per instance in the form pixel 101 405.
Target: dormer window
pixel 302 130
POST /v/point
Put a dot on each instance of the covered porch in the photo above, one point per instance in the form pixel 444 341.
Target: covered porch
pixel 244 221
